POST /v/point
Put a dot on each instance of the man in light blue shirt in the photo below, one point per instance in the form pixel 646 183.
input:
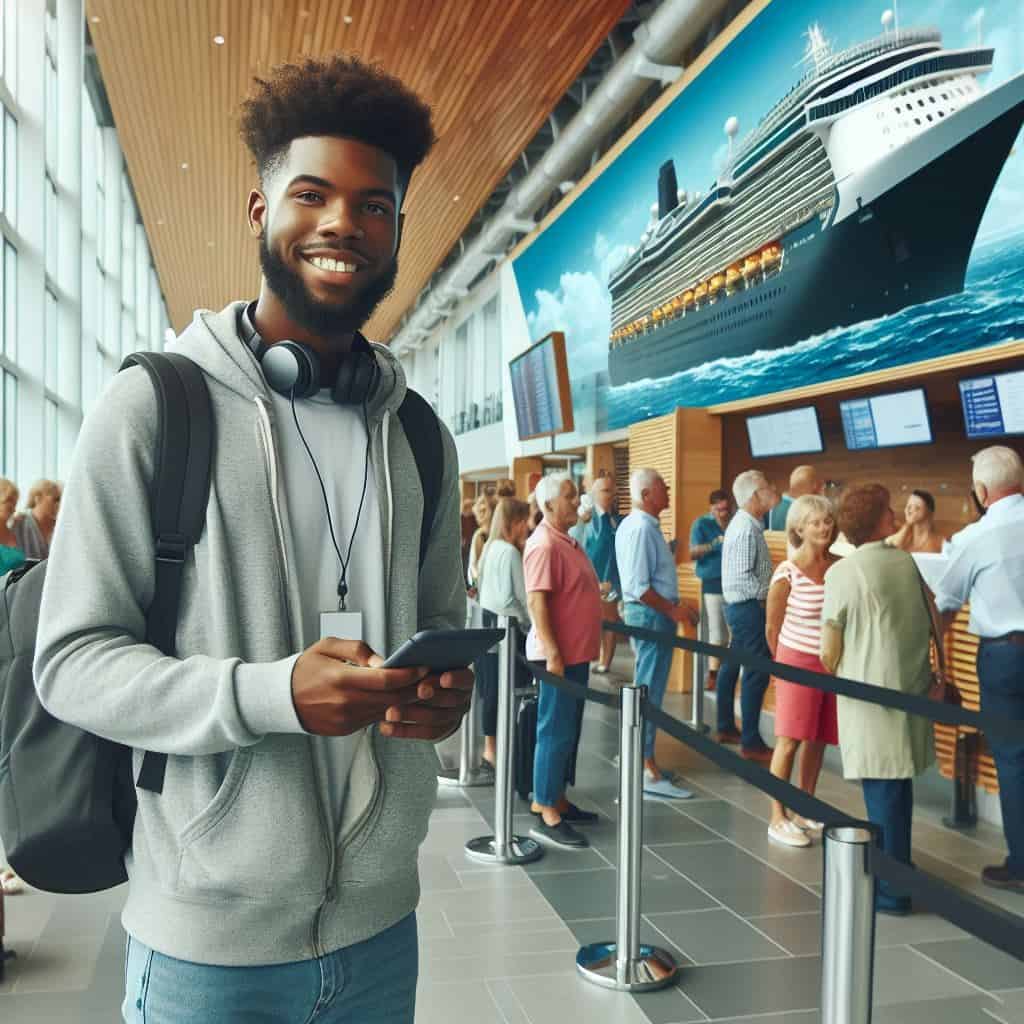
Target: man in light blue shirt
pixel 986 567
pixel 650 590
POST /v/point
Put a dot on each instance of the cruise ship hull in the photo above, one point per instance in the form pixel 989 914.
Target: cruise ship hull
pixel 907 245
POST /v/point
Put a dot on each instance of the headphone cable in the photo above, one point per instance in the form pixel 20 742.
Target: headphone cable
pixel 344 562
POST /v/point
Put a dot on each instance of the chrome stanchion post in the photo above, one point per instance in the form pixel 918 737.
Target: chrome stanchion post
pixel 627 964
pixel 504 847
pixel 470 771
pixel 697 711
pixel 848 927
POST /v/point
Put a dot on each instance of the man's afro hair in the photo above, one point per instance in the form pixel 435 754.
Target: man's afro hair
pixel 340 96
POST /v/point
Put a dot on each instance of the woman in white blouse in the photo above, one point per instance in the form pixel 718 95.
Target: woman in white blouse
pixel 502 592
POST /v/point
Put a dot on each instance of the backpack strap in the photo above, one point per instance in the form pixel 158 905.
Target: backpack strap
pixel 423 432
pixel 181 488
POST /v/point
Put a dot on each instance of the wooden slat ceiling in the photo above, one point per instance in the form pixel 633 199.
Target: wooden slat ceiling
pixel 492 70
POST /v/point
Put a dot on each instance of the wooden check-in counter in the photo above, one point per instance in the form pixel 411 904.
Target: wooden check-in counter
pixel 699 450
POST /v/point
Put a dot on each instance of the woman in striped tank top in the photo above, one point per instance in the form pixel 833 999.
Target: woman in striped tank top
pixel 805 719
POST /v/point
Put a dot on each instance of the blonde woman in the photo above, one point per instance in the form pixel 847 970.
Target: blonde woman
pixel 502 592
pixel 483 509
pixel 11 553
pixel 805 718
pixel 34 529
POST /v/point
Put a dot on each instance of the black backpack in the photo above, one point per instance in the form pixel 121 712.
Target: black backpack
pixel 67 800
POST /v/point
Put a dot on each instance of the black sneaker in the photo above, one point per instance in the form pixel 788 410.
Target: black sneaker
pixel 563 835
pixel 575 815
pixel 999 876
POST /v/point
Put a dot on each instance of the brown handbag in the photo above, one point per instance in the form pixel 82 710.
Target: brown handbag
pixel 942 688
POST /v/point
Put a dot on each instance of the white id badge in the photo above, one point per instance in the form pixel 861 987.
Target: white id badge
pixel 344 625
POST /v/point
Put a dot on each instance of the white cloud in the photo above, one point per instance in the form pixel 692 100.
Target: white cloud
pixel 607 256
pixel 582 309
pixel 975 19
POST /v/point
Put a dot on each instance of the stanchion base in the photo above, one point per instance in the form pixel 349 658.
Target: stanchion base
pixel 703 728
pixel 961 824
pixel 521 850
pixel 476 777
pixel 654 968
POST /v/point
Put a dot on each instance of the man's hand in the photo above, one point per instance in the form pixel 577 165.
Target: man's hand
pixel 556 665
pixel 339 688
pixel 686 614
pixel 434 717
pixel 606 588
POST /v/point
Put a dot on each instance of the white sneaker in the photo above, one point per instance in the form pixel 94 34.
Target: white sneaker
pixel 665 787
pixel 813 827
pixel 788 833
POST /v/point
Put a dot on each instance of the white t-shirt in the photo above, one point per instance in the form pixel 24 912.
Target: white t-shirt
pixel 336 436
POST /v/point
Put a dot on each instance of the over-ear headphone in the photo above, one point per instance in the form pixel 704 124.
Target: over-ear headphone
pixel 293 369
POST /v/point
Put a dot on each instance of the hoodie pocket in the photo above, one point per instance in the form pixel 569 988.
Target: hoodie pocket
pixel 261 833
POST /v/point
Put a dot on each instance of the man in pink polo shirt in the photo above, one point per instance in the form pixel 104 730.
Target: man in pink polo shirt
pixel 564 598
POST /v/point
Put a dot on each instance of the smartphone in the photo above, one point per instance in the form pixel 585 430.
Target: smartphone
pixel 442 649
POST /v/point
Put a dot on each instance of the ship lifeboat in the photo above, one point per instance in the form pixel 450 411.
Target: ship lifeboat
pixel 700 293
pixel 716 283
pixel 751 265
pixel 733 276
pixel 688 298
pixel 771 256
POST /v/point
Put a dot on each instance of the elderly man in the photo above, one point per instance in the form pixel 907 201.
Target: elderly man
pixel 599 543
pixel 746 575
pixel 650 589
pixel 565 606
pixel 803 480
pixel 706 538
pixel 986 567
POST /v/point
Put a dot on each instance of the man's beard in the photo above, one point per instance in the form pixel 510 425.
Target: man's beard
pixel 322 318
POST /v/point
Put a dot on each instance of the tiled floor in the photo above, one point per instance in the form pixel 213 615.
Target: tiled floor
pixel 498 944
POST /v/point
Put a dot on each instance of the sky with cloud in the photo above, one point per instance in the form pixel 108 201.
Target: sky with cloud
pixel 562 276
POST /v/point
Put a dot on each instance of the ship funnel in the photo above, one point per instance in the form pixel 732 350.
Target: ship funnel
pixel 668 189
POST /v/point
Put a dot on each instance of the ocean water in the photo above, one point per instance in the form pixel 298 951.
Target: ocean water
pixel 989 310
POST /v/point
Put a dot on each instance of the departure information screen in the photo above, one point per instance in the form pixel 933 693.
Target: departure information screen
pixel 886 421
pixel 993 405
pixel 794 432
pixel 535 392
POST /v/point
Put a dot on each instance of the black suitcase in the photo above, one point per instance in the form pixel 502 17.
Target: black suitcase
pixel 525 745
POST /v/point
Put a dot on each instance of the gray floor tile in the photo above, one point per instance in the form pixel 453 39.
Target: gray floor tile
pixel 976 961
pixel 489 906
pixel 497 942
pixel 464 1002
pixel 511 1010
pixel 968 1010
pixel 586 894
pixel 1011 1007
pixel 668 1006
pixel 603 930
pixel 715 936
pixel 798 933
pixel 738 880
pixel 903 976
pixel 555 1000
pixel 767 986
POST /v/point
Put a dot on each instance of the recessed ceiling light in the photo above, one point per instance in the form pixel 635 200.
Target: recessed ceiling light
pixel 219 40
pixel 347 19
pixel 210 244
pixel 184 167
pixel 303 14
pixel 161 221
pixel 455 199
pixel 95 19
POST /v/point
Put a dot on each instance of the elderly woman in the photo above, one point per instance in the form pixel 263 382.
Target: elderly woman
pixel 876 629
pixel 11 554
pixel 918 533
pixel 805 719
pixel 502 592
pixel 34 529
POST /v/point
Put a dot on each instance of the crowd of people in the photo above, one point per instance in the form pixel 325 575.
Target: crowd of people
pixel 847 600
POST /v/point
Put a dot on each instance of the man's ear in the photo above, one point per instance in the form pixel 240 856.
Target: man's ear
pixel 982 492
pixel 257 212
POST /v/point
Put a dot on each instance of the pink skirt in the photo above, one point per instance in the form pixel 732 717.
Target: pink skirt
pixel 802 713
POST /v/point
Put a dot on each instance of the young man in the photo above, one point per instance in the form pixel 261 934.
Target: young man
pixel 299 785
pixel 706 538
pixel 599 544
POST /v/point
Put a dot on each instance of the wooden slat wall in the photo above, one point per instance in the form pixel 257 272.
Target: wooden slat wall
pixel 491 71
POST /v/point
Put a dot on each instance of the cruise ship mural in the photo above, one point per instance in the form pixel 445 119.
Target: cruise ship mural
pixel 858 194
pixel 866 211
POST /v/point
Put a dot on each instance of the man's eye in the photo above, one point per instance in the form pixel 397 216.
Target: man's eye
pixel 308 197
pixel 379 209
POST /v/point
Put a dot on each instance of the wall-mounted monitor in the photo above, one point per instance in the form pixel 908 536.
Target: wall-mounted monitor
pixel 993 405
pixel 793 432
pixel 886 421
pixel 540 389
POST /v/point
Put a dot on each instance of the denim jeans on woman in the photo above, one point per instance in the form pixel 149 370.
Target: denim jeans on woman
pixel 746 621
pixel 653 660
pixel 372 982
pixel 890 804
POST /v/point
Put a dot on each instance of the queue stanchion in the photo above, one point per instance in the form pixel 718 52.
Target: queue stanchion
pixel 504 847
pixel 963 812
pixel 470 771
pixel 627 964
pixel 848 927
pixel 699 674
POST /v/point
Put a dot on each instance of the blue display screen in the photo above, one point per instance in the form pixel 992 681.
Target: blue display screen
pixel 886 421
pixel 993 405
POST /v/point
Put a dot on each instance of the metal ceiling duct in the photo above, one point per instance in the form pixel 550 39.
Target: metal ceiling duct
pixel 659 41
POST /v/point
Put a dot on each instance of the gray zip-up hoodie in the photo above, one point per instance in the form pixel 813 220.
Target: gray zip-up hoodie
pixel 235 863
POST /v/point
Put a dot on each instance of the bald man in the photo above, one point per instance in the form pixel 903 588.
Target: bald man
pixel 803 480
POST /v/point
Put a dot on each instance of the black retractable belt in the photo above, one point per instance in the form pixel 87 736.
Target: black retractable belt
pixel 181 488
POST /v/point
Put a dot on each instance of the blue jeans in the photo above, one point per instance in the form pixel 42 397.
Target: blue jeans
pixel 1001 674
pixel 653 660
pixel 746 624
pixel 559 721
pixel 890 804
pixel 372 982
